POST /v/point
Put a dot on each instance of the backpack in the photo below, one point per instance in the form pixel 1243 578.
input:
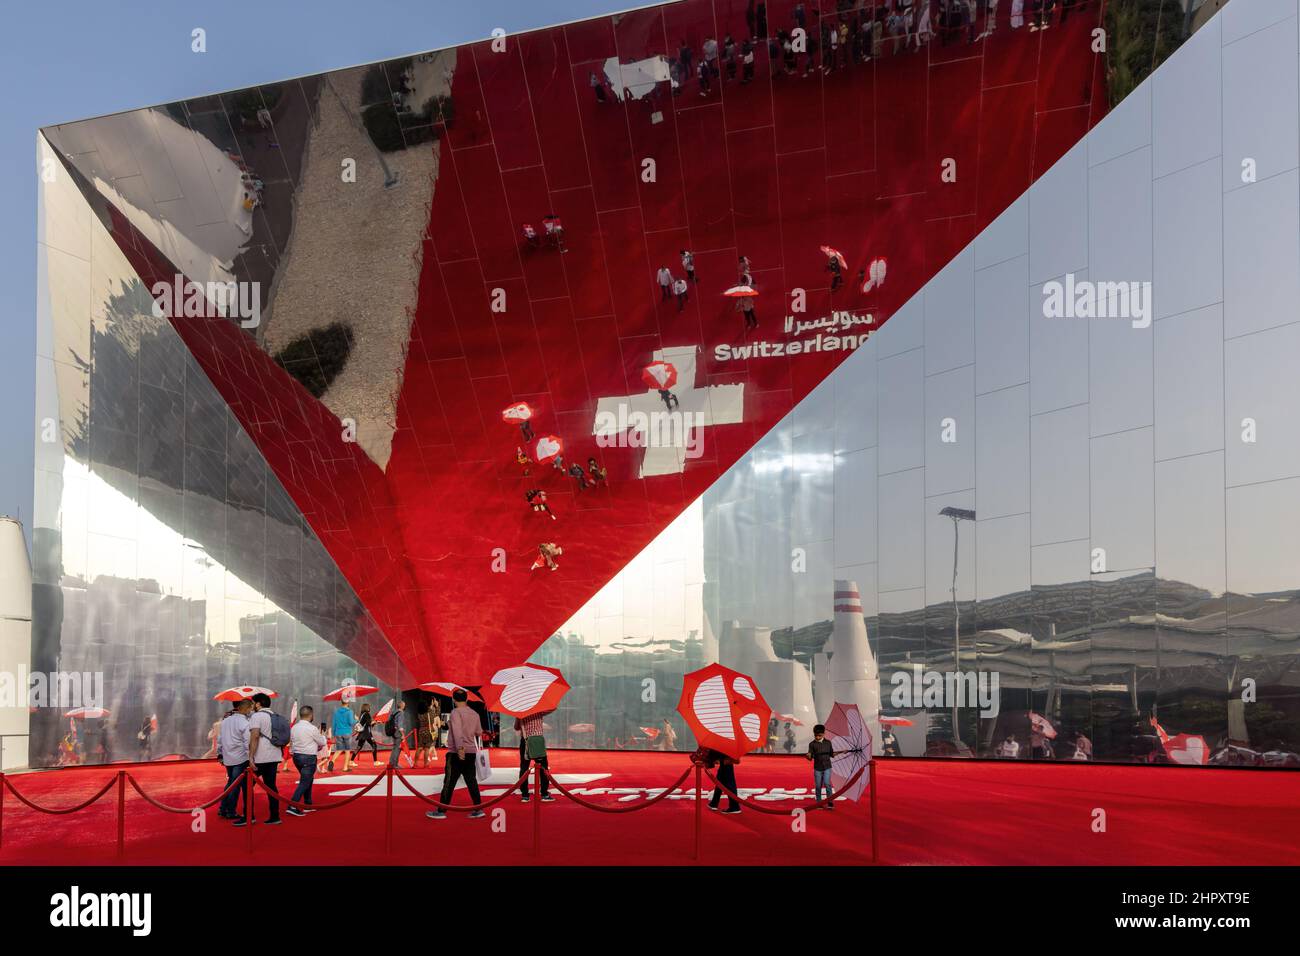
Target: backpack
pixel 390 726
pixel 279 731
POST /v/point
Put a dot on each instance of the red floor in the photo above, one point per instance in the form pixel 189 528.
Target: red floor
pixel 931 812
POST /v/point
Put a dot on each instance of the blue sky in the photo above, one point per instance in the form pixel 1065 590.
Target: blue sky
pixel 73 59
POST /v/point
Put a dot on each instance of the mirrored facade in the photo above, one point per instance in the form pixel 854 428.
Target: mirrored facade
pixel 283 331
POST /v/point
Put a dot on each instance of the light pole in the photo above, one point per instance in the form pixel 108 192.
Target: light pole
pixel 957 515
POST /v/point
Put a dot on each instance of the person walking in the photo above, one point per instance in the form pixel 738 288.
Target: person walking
pixel 725 777
pixel 464 728
pixel 344 722
pixel 305 743
pixel 532 749
pixel 688 263
pixel 667 736
pixel 145 739
pixel 665 279
pixel 427 753
pixel 680 287
pixel 232 749
pixel 265 756
pixel 745 306
pixel 396 729
pixel 365 735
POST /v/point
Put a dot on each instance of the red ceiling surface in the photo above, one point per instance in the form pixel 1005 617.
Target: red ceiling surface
pixel 772 169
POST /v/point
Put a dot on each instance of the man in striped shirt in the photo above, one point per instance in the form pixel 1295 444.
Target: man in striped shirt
pixel 532 726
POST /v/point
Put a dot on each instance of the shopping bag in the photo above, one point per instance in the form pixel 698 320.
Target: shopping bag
pixel 482 763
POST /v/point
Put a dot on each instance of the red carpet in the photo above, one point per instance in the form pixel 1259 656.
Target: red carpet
pixel 931 812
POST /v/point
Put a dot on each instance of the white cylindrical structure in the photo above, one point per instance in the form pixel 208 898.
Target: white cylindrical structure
pixel 853 666
pixel 823 690
pixel 15 642
pixel 787 688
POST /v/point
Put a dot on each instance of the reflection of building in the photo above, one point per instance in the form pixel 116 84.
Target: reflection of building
pixel 853 667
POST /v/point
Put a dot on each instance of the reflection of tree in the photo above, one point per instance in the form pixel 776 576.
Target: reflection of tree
pixel 1140 35
pixel 317 358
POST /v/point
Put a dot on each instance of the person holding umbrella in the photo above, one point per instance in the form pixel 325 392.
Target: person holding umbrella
pixel 532 748
pixel 820 752
pixel 725 776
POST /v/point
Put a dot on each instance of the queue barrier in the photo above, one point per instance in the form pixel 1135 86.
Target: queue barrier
pixel 249 780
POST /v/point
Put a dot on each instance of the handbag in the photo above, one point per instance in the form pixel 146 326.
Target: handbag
pixel 535 747
pixel 482 762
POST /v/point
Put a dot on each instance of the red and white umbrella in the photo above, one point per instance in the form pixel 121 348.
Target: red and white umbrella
pixel 516 413
pixel 876 270
pixel 525 690
pixel 651 732
pixel 547 447
pixel 832 253
pixel 659 375
pixel 895 721
pixel 1041 725
pixel 87 713
pixel 851 742
pixel 351 692
pixel 243 693
pixel 741 292
pixel 582 728
pixel 789 719
pixel 382 717
pixel 1189 749
pixel 724 710
pixel 447 688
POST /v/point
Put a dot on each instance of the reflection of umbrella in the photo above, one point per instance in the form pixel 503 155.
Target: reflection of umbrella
pixel 83 713
pixel 741 292
pixel 836 254
pixel 582 728
pixel 875 275
pixel 724 710
pixel 788 719
pixel 547 447
pixel 895 721
pixel 516 413
pixel 525 690
pixel 1187 749
pixel 351 692
pixel 1041 725
pixel 659 375
pixel 446 688
pixel 382 717
pixel 651 732
pixel 851 741
pixel 243 693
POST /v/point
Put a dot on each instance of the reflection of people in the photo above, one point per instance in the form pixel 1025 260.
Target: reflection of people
pixel 1082 746
pixel 536 499
pixel 773 728
pixel 546 555
pixel 789 738
pixel 669 399
pixel 888 742
pixel 145 738
pixel 667 736
pixel 366 735
pixel 1009 748
pixel 594 469
pixel 213 733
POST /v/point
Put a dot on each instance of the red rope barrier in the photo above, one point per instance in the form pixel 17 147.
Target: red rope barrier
pixel 234 785
pixel 81 806
pixel 312 806
pixel 467 808
pixel 597 807
pixel 783 813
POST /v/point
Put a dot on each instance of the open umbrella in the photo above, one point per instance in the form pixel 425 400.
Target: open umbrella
pixel 741 292
pixel 789 719
pixel 582 728
pixel 659 375
pixel 651 732
pixel 516 413
pixel 1041 725
pixel 351 692
pixel 547 447
pixel 1187 749
pixel 851 741
pixel 525 690
pixel 875 275
pixel 84 713
pixel 243 693
pixel 724 710
pixel 381 718
pixel 446 688
pixel 832 253
pixel 895 721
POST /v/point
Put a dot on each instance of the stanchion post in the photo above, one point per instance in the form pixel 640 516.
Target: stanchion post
pixel 875 829
pixel 388 813
pixel 4 784
pixel 699 808
pixel 248 805
pixel 121 813
pixel 537 808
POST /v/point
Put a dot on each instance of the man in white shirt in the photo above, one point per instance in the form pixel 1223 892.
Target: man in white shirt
pixel 1009 748
pixel 665 283
pixel 680 288
pixel 264 756
pixel 232 748
pixel 305 744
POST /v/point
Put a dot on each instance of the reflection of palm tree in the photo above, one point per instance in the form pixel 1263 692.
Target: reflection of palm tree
pixel 390 177
pixel 957 515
